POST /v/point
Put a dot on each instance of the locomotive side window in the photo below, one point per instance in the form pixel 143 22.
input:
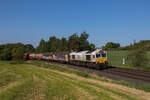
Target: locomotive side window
pixel 93 56
pixel 73 56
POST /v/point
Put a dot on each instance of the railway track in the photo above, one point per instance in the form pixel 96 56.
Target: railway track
pixel 130 75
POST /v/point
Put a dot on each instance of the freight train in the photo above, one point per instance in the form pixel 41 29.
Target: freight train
pixel 96 59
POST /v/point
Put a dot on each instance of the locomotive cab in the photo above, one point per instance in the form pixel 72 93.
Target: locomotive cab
pixel 101 58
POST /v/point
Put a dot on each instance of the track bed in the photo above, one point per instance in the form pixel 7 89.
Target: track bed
pixel 137 77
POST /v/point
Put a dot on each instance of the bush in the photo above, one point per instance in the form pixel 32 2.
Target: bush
pixel 137 58
pixel 14 51
pixel 6 54
pixel 17 53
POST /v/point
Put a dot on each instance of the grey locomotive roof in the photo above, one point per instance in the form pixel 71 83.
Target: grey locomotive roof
pixel 96 51
pixel 79 53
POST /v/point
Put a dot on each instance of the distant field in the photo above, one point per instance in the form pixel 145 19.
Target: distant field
pixel 29 82
pixel 115 58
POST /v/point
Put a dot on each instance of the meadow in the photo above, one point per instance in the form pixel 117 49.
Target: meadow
pixel 115 58
pixel 41 81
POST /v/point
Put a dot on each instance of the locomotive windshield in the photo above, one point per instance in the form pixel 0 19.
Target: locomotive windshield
pixel 104 55
pixel 100 55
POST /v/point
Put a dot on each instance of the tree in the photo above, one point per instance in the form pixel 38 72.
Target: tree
pixel 73 42
pixel 53 44
pixel 1 50
pixel 14 51
pixel 141 45
pixel 28 48
pixel 112 45
pixel 43 46
pixel 92 47
pixel 80 43
pixel 83 42
pixel 64 44
pixel 17 53
pixel 6 54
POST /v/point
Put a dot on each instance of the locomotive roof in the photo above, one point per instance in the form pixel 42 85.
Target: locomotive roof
pixel 56 53
pixel 73 53
pixel 97 51
pixel 82 52
pixel 78 53
pixel 87 52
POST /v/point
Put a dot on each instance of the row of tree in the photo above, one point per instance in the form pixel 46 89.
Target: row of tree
pixel 141 45
pixel 14 51
pixel 111 45
pixel 73 43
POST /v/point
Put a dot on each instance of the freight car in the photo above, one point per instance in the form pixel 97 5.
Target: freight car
pixel 96 59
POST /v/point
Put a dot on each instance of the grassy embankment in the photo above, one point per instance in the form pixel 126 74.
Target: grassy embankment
pixel 40 81
pixel 115 59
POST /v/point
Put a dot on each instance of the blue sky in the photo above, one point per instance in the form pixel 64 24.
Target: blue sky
pixel 28 21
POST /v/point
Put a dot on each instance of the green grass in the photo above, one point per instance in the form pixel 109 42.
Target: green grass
pixel 87 75
pixel 42 81
pixel 115 57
